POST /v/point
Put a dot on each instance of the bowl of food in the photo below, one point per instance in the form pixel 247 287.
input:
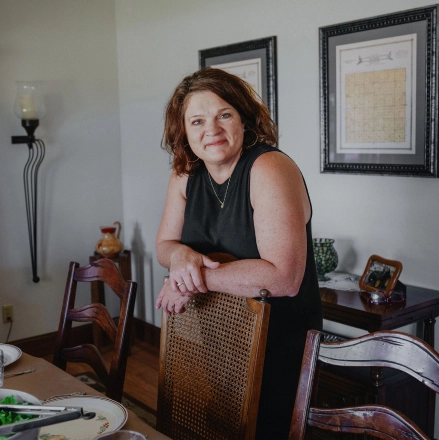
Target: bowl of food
pixel 14 397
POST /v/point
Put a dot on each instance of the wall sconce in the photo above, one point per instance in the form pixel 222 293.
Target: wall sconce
pixel 29 107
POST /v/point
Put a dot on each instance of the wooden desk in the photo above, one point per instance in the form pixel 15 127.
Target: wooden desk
pixel 378 386
pixel 48 380
pixel 349 308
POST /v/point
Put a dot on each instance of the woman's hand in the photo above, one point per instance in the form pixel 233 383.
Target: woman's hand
pixel 185 271
pixel 172 302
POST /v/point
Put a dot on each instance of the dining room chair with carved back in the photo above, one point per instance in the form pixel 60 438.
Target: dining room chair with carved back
pixel 210 369
pixel 106 271
pixel 381 349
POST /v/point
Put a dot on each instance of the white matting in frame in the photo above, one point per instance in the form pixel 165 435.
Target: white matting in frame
pixel 376 96
pixel 248 70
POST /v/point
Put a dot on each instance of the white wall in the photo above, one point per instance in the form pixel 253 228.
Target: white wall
pixel 71 46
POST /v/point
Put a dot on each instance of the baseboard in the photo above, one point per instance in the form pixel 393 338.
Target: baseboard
pixel 42 345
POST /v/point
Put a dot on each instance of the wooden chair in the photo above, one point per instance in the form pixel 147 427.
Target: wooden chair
pixel 211 361
pixel 106 271
pixel 391 349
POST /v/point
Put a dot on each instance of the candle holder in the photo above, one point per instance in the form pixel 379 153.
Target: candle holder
pixel 29 107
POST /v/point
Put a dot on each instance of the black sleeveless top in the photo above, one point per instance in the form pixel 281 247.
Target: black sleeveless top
pixel 209 228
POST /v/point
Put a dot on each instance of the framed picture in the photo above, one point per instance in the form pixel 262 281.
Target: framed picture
pixel 378 91
pixel 380 274
pixel 253 61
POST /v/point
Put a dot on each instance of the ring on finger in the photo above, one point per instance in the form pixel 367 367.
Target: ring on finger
pixel 180 284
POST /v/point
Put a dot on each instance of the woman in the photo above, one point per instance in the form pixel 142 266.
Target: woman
pixel 232 191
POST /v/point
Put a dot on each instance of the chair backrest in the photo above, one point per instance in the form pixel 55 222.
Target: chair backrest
pixel 391 349
pixel 211 362
pixel 106 271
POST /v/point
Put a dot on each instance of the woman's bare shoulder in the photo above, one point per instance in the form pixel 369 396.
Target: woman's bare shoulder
pixel 276 165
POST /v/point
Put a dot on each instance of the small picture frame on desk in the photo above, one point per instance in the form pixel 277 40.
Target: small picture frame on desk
pixel 380 274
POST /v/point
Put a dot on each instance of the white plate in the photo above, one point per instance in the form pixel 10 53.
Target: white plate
pixel 10 353
pixel 110 416
pixel 30 434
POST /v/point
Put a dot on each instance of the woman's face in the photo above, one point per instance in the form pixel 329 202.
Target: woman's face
pixel 213 128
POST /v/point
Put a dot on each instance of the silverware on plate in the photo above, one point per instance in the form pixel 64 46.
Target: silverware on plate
pixel 19 373
pixel 49 415
pixel 53 415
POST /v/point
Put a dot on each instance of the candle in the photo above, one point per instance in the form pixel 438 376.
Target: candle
pixel 27 106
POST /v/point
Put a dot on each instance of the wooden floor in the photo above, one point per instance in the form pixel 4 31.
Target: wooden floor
pixel 141 374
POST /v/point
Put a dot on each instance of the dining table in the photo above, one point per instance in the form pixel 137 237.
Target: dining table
pixel 48 380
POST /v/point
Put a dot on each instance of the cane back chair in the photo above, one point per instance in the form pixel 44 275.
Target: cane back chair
pixel 390 349
pixel 211 361
pixel 106 271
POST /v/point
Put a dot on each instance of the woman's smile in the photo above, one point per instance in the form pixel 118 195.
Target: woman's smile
pixel 216 143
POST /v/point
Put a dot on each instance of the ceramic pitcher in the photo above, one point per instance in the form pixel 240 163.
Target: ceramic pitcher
pixel 109 246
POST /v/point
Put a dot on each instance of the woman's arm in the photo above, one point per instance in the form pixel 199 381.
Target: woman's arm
pixel 281 211
pixel 184 263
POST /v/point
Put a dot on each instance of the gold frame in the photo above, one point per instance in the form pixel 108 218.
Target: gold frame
pixel 394 267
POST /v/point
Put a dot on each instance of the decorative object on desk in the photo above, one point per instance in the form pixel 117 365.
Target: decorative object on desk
pixel 380 274
pixel 29 107
pixel 341 281
pixel 325 255
pixel 377 302
pixel 109 246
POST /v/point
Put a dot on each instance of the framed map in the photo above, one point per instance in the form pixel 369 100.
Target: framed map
pixel 378 93
pixel 254 61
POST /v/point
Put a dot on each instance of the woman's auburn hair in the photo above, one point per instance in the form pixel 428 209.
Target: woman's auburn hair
pixel 238 93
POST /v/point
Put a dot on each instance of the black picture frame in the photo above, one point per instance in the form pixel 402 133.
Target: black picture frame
pixel 262 50
pixel 358 134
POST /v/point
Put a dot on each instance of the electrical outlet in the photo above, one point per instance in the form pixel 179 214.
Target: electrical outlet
pixel 8 314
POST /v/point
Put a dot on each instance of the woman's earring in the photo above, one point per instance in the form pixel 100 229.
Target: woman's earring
pixel 256 140
pixel 192 161
pixel 189 161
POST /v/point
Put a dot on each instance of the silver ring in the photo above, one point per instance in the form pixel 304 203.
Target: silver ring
pixel 180 284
